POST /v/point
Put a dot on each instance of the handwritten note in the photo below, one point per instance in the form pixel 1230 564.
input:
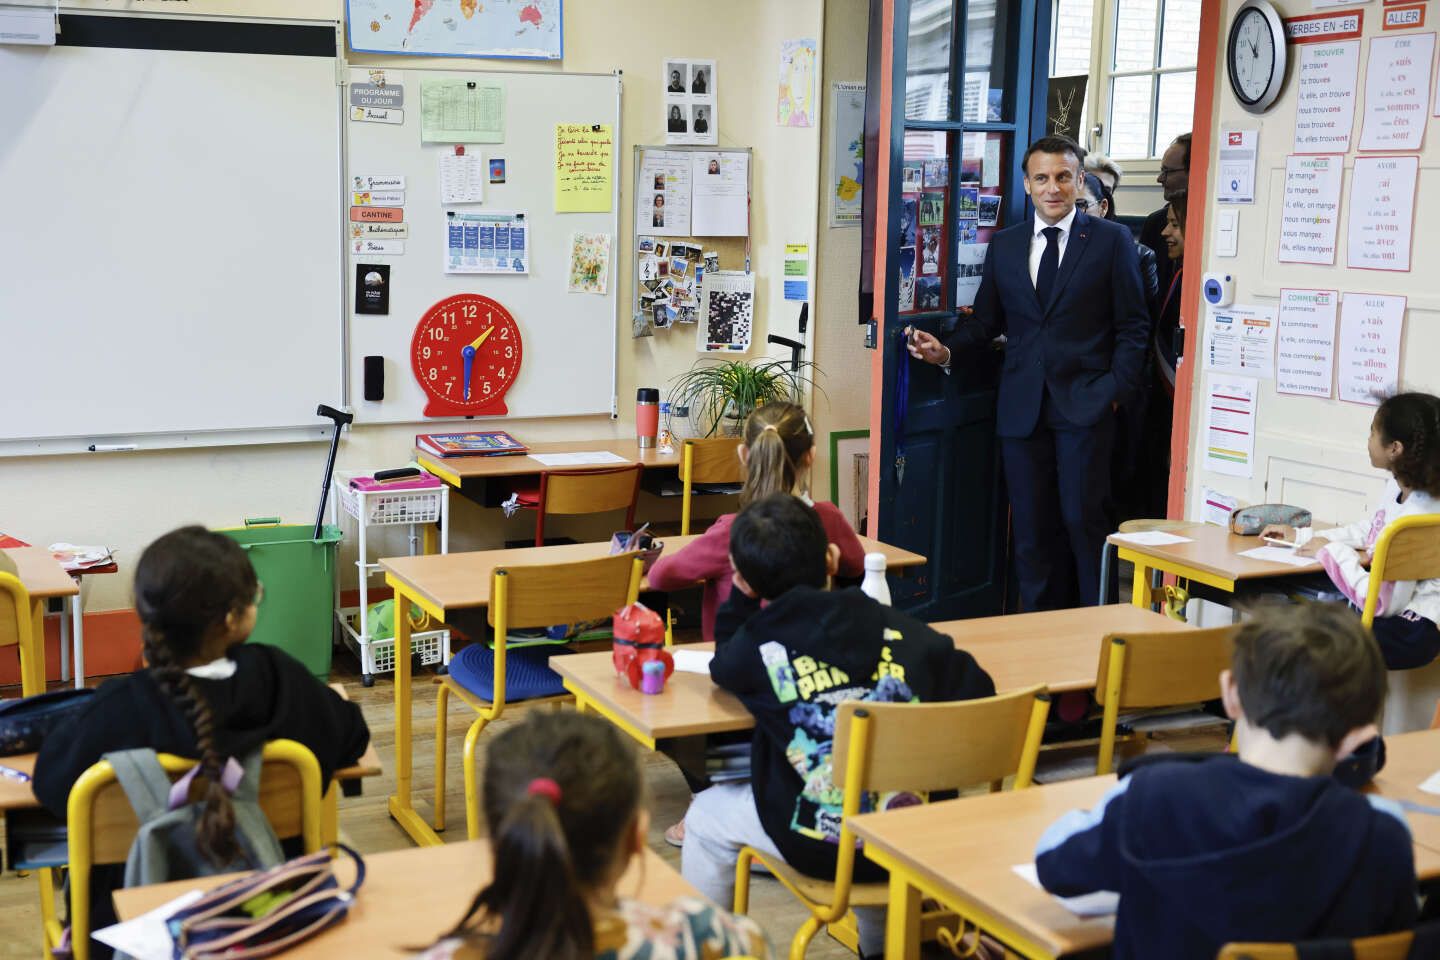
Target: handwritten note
pixel 1311 212
pixel 1325 101
pixel 1397 92
pixel 584 168
pixel 1370 325
pixel 1382 212
pixel 1305 345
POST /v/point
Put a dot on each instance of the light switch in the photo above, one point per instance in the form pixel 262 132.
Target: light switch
pixel 1227 232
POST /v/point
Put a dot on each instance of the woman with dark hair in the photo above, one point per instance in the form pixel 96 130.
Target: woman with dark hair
pixel 677 121
pixel 1167 346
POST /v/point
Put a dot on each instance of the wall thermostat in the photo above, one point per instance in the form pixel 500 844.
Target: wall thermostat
pixel 1218 289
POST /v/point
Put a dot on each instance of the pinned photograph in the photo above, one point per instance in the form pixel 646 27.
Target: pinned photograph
pixel 649 270
pixel 990 210
pixel 937 172
pixel 911 178
pixel 657 215
pixel 660 248
pixel 927 293
pixel 907 223
pixel 645 245
pixel 700 79
pixel 659 181
pixel 969 206
pixel 712 261
pixel 679 266
pixel 497 169
pixel 675 122
pixel 930 251
pixel 967 231
pixel 700 122
pixel 932 209
pixel 675 71
pixel 907 263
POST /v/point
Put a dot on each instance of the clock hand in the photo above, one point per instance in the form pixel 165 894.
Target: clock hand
pixel 467 354
pixel 478 341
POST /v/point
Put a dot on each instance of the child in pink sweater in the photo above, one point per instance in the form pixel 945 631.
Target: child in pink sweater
pixel 778 452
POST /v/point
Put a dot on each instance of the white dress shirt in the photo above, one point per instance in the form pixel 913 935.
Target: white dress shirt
pixel 1037 241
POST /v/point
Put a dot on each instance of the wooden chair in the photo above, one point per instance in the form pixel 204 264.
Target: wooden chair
pixel 1388 946
pixel 102 824
pixel 712 460
pixel 882 747
pixel 1142 671
pixel 528 596
pixel 571 492
pixel 1408 549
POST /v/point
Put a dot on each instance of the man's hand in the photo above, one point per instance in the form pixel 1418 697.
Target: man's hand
pixel 923 346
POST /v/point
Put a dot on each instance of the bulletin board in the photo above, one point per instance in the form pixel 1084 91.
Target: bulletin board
pixel 569 338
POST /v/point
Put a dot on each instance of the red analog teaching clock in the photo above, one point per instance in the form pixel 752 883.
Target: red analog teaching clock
pixel 466 354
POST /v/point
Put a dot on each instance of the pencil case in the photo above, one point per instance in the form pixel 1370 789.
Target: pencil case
pixel 1249 521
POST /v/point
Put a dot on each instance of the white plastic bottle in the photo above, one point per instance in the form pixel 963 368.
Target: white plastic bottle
pixel 875 585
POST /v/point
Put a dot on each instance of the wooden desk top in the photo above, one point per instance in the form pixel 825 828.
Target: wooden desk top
pixel 1215 550
pixel 476 468
pixel 458 581
pixel 966 848
pixel 15 795
pixel 401 906
pixel 1058 648
pixel 42 575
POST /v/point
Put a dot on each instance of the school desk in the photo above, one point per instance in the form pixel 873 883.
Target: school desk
pixel 72 628
pixel 961 853
pixel 43 578
pixel 1212 557
pixel 455 588
pixel 1059 648
pixel 401 907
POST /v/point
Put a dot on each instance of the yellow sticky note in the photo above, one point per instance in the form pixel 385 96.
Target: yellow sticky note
pixel 584 168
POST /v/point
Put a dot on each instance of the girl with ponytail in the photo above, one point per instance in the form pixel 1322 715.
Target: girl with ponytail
pixel 204 693
pixel 564 807
pixel 777 454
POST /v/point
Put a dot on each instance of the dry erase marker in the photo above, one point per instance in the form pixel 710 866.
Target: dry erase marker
pixel 1276 541
pixel 111 447
pixel 13 774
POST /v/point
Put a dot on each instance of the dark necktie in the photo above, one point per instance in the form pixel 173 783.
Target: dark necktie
pixel 1049 266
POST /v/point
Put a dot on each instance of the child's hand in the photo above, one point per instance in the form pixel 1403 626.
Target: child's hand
pixel 1312 548
pixel 742 586
pixel 1366 556
pixel 1278 531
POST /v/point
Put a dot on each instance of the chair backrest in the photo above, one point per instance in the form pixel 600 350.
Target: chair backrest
pixel 547 594
pixel 1389 946
pixel 983 741
pixel 711 460
pixel 17 628
pixel 589 491
pixel 1163 669
pixel 102 824
pixel 1408 549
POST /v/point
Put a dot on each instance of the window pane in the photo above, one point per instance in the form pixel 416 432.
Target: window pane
pixel 1135 34
pixel 1071 41
pixel 985 56
pixel 927 65
pixel 1180 34
pixel 1130 117
pixel 1176 108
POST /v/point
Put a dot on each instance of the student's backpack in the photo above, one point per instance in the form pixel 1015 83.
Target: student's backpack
pixel 165 848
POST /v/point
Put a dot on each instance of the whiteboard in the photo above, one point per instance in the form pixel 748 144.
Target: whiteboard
pixel 570 339
pixel 172 236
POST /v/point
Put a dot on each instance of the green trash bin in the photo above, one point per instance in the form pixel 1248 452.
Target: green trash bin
pixel 297 613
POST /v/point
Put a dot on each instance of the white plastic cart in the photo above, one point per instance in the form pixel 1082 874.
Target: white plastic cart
pixel 377 508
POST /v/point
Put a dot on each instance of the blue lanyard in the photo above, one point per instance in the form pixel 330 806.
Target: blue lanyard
pixel 902 407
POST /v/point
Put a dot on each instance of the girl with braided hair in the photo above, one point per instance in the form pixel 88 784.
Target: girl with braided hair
pixel 204 692
pixel 1405 441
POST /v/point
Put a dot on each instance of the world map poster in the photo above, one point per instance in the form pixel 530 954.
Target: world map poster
pixel 529 29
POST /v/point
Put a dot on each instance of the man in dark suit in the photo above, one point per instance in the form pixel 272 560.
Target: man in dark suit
pixel 1064 288
pixel 1174 180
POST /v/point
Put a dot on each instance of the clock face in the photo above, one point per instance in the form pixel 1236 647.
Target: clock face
pixel 1256 56
pixel 465 354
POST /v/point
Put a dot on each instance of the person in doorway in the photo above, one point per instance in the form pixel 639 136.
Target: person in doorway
pixel 1064 287
pixel 1106 169
pixel 1174 180
pixel 1167 346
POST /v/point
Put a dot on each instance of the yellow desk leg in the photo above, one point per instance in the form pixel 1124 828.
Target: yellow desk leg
pixel 902 920
pixel 1140 586
pixel 402 806
pixel 429 538
pixel 330 815
pixel 32 673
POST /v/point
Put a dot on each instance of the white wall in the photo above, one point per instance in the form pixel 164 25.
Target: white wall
pixel 126 500
pixel 1311 452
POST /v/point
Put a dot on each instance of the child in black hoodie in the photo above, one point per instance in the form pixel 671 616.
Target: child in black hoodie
pixel 1267 846
pixel 792 662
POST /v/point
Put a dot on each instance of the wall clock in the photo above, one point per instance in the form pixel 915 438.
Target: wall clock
pixel 1255 55
pixel 466 353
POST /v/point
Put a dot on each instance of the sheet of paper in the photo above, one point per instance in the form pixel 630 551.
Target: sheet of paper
pixel 692 661
pixel 662 200
pixel 969 263
pixel 1310 215
pixel 584 168
pixel 146 937
pixel 1235 181
pixel 1369 358
pixel 797 271
pixel 1150 538
pixel 1382 212
pixel 461 111
pixel 1101 903
pixel 795 105
pixel 727 312
pixel 1230 425
pixel 1397 92
pixel 579 459
pixel 1215 507
pixel 690 103
pixel 1325 96
pixel 1431 784
pixel 589 263
pixel 721 201
pixel 847 154
pixel 491 242
pixel 1284 555
pixel 462 178
pixel 1240 339
pixel 1305 342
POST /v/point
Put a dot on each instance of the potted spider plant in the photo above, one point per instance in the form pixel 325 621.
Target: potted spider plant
pixel 719 395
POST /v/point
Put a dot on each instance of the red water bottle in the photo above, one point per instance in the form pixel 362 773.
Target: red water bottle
pixel 647 416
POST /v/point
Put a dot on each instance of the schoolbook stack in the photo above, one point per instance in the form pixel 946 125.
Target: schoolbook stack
pixel 489 443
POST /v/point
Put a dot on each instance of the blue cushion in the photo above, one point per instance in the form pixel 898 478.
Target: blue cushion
pixel 527 673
